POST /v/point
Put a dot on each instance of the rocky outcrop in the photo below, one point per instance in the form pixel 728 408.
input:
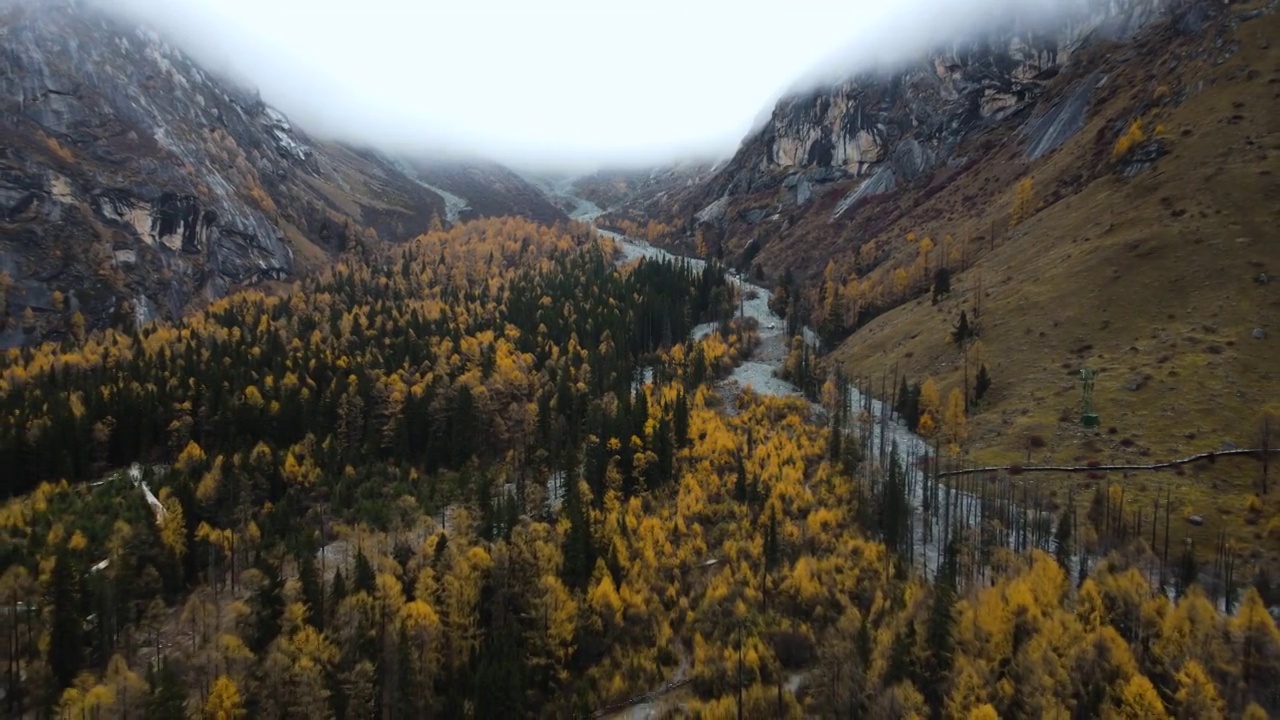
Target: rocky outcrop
pixel 1054 125
pixel 136 184
pixel 901 126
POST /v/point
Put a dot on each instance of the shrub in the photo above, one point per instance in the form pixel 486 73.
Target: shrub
pixel 1129 140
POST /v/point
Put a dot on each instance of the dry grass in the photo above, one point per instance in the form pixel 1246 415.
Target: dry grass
pixel 308 256
pixel 1148 280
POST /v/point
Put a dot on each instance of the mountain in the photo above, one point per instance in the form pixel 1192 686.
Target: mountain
pixel 614 196
pixel 136 184
pixel 621 190
pixel 477 188
pixel 830 150
pixel 1099 194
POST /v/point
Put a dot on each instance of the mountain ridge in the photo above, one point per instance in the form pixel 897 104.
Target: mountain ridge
pixel 136 184
pixel 890 127
pixel 1115 219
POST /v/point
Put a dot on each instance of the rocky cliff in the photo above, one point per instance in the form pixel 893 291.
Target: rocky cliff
pixel 872 133
pixel 1100 196
pixel 134 183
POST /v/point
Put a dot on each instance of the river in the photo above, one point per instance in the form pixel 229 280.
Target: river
pixel 881 431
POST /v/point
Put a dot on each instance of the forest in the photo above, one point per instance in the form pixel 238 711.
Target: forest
pixel 487 474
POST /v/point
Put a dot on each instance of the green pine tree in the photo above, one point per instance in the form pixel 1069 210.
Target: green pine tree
pixel 365 580
pixel 940 638
pixel 168 699
pixel 66 628
pixel 1062 540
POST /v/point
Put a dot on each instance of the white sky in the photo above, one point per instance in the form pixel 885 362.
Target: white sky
pixel 555 82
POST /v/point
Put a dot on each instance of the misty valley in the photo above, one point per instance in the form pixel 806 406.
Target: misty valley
pixel 949 391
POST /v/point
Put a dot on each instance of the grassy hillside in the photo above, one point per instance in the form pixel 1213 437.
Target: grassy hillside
pixel 1151 280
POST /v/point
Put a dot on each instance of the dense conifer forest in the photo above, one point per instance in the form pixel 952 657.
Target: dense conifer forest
pixel 487 474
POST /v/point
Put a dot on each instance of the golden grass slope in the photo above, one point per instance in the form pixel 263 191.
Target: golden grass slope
pixel 1150 280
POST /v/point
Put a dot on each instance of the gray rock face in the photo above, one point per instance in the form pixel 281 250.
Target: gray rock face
pixel 883 181
pixel 713 212
pixel 913 118
pixel 102 98
pixel 138 184
pixel 1048 129
pixel 1142 157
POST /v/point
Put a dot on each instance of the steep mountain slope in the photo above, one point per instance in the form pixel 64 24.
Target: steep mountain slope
pixel 620 194
pixel 828 152
pixel 134 183
pixel 1159 281
pixel 486 189
pixel 635 190
pixel 1140 244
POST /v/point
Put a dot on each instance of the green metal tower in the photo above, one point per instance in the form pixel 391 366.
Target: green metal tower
pixel 1088 418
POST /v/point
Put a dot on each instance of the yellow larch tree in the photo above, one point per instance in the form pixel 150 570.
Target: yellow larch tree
pixel 954 421
pixel 224 701
pixel 1023 201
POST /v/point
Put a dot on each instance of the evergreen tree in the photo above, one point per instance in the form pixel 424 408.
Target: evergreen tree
pixel 941 630
pixel 962 331
pixel 1188 568
pixel 862 642
pixel 903 398
pixel 168 697
pixel 772 548
pixel 698 367
pixel 268 608
pixel 911 409
pixel 487 507
pixel 639 413
pixel 337 592
pixel 740 484
pixel 365 579
pixel 665 450
pixel 680 421
pixel 66 629
pixel 835 435
pixel 1062 540
pixel 982 384
pixel 941 283
pixel 312 590
pixel 579 555
pixel 902 663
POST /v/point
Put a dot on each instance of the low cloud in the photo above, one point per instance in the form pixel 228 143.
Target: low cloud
pixel 568 83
